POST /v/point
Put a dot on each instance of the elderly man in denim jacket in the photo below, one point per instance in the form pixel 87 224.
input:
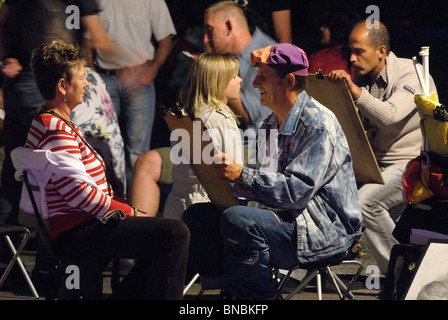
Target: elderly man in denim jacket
pixel 306 205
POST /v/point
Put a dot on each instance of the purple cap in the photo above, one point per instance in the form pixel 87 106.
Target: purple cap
pixel 285 57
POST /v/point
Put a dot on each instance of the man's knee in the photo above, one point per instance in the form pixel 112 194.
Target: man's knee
pixel 236 221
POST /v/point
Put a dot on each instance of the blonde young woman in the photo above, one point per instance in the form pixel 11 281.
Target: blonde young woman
pixel 212 82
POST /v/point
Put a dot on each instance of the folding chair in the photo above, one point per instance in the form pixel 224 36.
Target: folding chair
pixel 55 270
pixel 316 271
pixel 191 283
pixel 56 262
pixel 6 231
pixel 224 295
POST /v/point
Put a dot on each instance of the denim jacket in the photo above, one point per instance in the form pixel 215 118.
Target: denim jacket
pixel 313 178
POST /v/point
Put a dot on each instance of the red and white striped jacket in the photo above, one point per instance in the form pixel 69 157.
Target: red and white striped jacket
pixel 72 201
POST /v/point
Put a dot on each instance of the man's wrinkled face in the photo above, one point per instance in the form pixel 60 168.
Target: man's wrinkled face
pixel 269 83
pixel 364 57
pixel 216 33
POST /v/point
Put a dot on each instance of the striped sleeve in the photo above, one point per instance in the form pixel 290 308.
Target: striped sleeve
pixel 55 135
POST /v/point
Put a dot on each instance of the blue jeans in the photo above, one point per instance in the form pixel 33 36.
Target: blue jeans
pixel 137 120
pixel 243 245
pixel 256 240
pixel 22 100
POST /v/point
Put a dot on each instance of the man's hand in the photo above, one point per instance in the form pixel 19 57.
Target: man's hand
pixel 226 168
pixel 340 75
pixel 148 76
pixel 11 67
pixel 160 56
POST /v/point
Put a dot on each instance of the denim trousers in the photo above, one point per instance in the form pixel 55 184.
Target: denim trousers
pixel 255 241
pixel 159 246
pixel 242 245
pixel 379 204
pixel 136 113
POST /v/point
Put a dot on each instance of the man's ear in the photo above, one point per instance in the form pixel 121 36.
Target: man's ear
pixel 229 26
pixel 289 81
pixel 382 52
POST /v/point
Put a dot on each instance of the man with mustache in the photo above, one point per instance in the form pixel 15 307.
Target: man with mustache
pixel 383 92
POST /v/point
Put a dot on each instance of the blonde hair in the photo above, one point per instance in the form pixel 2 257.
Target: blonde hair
pixel 229 9
pixel 207 80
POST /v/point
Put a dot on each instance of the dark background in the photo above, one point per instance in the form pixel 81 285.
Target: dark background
pixel 412 24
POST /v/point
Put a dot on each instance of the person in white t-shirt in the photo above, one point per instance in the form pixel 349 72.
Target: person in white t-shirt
pixel 129 73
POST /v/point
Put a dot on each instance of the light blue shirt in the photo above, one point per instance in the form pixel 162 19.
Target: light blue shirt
pixel 250 97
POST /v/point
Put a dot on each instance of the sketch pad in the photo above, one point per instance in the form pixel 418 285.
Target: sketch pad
pixel 432 266
pixel 218 190
pixel 336 97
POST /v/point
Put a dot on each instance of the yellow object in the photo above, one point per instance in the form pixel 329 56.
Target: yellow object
pixel 426 105
pixel 435 139
pixel 420 193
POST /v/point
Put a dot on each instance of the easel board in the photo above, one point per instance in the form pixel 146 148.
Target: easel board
pixel 336 97
pixel 218 190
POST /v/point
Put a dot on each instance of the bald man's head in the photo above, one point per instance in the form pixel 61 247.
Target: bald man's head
pixel 378 36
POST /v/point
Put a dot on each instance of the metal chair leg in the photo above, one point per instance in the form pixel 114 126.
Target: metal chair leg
pixel 319 285
pixel 302 284
pixel 332 277
pixel 193 280
pixel 342 290
pixel 16 258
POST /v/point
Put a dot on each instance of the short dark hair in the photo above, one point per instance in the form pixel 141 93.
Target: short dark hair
pixel 52 61
pixel 300 81
pixel 378 36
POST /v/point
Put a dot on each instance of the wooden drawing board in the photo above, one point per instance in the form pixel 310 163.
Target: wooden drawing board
pixel 219 191
pixel 336 97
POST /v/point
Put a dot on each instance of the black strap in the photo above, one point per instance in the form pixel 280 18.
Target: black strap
pixel 95 154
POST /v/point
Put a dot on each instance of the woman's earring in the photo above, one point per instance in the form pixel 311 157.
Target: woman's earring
pixel 65 100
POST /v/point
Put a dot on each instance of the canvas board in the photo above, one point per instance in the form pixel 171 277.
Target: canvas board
pixel 336 97
pixel 218 190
